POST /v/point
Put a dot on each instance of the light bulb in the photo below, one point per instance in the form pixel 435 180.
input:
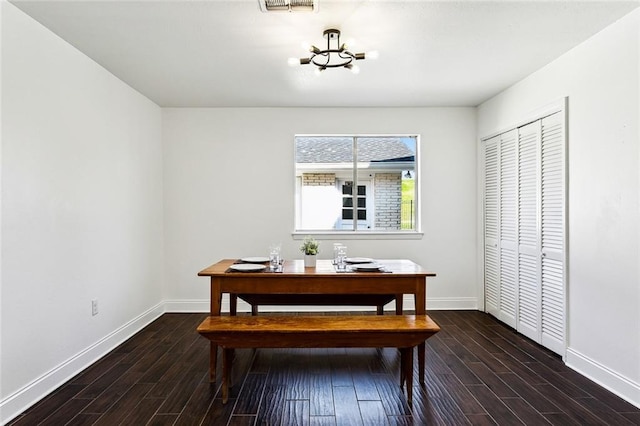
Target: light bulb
pixel 293 62
pixel 318 71
pixel 355 69
pixel 372 54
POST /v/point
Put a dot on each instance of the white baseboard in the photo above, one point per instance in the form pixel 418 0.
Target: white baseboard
pixel 19 401
pixel 451 303
pixel 461 303
pixel 189 305
pixel 614 382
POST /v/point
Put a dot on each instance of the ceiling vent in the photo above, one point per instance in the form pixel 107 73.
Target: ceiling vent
pixel 288 5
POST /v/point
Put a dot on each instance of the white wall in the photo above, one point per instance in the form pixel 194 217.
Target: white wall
pixel 229 186
pixel 601 79
pixel 81 211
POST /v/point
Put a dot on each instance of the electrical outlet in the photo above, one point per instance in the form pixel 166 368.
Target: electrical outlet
pixel 94 307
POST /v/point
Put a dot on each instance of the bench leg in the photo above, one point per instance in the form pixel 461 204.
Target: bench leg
pixel 406 371
pixel 254 310
pixel 421 358
pixel 213 360
pixel 403 360
pixel 409 374
pixel 227 358
pixel 380 310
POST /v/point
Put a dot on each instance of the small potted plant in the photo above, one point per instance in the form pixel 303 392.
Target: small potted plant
pixel 310 247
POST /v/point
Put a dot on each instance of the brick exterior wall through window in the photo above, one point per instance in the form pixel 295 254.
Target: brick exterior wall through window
pixel 318 179
pixel 388 196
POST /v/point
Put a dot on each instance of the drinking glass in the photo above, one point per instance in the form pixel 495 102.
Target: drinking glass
pixel 336 248
pixel 342 258
pixel 274 257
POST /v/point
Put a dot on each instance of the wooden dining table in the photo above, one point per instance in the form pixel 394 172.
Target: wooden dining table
pixel 323 285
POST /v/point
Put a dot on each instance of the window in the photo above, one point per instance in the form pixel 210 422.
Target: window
pixel 356 183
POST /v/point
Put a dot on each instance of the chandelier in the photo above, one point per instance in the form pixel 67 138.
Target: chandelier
pixel 335 55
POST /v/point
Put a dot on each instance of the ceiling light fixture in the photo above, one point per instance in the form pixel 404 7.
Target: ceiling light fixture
pixel 335 55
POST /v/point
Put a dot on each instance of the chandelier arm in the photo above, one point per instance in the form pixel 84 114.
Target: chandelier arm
pixel 328 65
pixel 323 55
pixel 346 55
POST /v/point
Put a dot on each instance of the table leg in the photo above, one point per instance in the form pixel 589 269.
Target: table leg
pixel 399 300
pixel 233 311
pixel 216 300
pixel 233 304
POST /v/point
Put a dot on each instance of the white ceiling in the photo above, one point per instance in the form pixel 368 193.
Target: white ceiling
pixel 186 53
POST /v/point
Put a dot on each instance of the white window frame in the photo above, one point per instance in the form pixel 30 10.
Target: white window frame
pixel 377 234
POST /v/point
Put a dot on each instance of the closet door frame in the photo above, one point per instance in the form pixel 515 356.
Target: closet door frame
pixel 558 106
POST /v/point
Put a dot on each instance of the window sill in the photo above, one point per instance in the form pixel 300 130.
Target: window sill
pixel 359 235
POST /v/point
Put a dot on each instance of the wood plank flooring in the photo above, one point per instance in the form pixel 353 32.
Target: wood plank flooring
pixel 478 372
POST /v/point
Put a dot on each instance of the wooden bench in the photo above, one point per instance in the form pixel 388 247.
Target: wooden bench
pixel 363 331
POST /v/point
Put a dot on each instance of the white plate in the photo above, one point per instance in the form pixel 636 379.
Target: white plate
pixel 366 267
pixel 247 267
pixel 358 260
pixel 255 259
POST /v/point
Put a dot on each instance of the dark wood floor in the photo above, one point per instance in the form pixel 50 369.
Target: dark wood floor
pixel 478 372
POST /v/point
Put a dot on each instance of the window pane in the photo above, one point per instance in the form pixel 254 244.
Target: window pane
pixel 383 171
pixel 324 171
pixel 385 161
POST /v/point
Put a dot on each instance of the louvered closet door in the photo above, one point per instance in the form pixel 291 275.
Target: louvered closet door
pixel 508 227
pixel 491 226
pixel 525 230
pixel 552 233
pixel 528 235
